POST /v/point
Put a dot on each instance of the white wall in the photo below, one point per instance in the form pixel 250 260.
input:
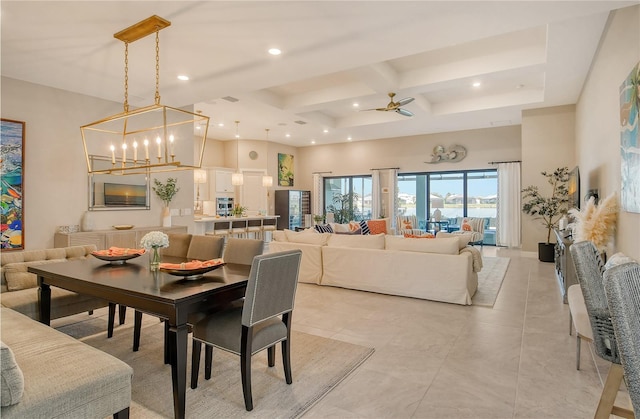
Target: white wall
pixel 598 120
pixel 55 172
pixel 548 142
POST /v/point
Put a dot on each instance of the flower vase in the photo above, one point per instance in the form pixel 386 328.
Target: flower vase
pixel 154 259
pixel 166 217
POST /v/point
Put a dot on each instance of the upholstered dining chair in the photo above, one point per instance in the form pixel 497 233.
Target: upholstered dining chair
pixel 260 323
pixel 622 287
pixel 242 251
pixel 589 271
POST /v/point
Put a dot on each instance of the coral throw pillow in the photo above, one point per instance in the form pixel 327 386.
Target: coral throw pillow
pixel 377 226
pixel 406 225
pixel 424 236
pixel 466 226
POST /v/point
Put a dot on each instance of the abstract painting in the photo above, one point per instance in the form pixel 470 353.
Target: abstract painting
pixel 285 169
pixel 11 173
pixel 629 144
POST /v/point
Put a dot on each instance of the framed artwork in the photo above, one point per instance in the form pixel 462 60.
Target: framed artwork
pixel 629 144
pixel 285 169
pixel 11 172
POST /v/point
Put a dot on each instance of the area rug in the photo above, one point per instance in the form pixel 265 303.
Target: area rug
pixel 490 280
pixel 318 365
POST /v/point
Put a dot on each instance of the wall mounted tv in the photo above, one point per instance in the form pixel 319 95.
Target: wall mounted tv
pixel 574 188
pixel 121 195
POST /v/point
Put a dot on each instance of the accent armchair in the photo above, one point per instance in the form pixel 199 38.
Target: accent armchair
pixel 408 224
pixel 475 226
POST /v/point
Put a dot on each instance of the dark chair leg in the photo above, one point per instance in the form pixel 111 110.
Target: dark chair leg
pixel 167 352
pixel 271 352
pixel 286 349
pixel 111 320
pixel 208 360
pixel 196 347
pixel 123 414
pixel 91 312
pixel 245 366
pixel 137 326
pixel 122 314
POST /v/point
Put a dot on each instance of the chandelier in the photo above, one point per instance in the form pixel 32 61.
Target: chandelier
pixel 150 139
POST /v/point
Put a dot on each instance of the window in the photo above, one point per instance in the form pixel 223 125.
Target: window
pixel 348 198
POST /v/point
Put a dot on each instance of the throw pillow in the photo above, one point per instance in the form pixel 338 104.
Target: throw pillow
pixel 377 226
pixel 325 228
pixel 406 225
pixel 423 236
pixel 11 377
pixel 342 228
pixel 354 232
pixel 466 226
pixel 364 227
pixel 354 225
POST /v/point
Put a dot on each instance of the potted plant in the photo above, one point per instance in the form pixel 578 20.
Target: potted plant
pixel 548 209
pixel 238 210
pixel 166 192
pixel 341 208
pixel 318 218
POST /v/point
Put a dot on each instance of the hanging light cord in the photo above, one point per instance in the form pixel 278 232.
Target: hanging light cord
pixel 157 66
pixel 126 77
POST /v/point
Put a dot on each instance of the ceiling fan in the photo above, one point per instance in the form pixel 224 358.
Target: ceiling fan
pixel 395 106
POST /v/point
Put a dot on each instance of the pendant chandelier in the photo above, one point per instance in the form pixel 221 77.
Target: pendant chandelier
pixel 237 179
pixel 145 140
pixel 267 181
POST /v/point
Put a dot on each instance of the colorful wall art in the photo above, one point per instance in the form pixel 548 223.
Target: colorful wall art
pixel 285 169
pixel 11 172
pixel 629 143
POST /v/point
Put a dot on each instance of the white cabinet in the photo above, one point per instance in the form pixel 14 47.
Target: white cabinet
pixel 223 182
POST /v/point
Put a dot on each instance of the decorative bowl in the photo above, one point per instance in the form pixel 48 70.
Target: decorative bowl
pixel 191 273
pixel 116 260
pixel 123 227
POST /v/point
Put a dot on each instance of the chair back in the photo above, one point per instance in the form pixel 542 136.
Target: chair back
pixel 406 222
pixel 271 288
pixel 589 269
pixel 178 245
pixel 205 247
pixel 622 286
pixel 221 225
pixel 242 251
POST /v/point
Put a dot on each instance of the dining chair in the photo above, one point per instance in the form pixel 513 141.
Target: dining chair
pixel 260 323
pixel 238 228
pixel 242 251
pixel 589 271
pixel 220 228
pixel 622 287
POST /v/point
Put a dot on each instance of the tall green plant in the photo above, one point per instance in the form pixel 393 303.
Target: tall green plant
pixel 342 210
pixel 548 209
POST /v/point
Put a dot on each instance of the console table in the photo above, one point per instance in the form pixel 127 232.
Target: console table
pixel 565 270
pixel 103 239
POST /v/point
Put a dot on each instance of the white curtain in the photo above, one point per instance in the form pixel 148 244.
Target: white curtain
pixel 509 207
pixel 375 195
pixel 316 196
pixel 393 196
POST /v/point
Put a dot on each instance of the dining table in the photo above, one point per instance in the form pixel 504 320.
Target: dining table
pixel 132 283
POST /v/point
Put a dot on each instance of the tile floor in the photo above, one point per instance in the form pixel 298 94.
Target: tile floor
pixel 438 360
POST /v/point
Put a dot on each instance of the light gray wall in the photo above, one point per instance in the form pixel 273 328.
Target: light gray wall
pixel 598 120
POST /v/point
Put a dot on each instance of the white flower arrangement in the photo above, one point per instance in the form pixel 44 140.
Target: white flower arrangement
pixel 154 239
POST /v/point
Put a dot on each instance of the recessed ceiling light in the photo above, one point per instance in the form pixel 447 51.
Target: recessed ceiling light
pixel 221 124
pixel 355 105
pixel 519 86
pixel 183 77
pixel 325 130
pixel 476 84
pixel 348 138
pixel 313 141
pixel 197 127
pixel 274 51
pixel 287 135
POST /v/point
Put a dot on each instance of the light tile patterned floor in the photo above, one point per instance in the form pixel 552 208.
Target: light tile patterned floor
pixel 438 360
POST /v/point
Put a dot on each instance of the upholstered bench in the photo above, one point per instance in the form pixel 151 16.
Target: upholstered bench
pixel 578 318
pixel 55 375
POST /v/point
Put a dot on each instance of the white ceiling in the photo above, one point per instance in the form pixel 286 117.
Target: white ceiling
pixel 526 54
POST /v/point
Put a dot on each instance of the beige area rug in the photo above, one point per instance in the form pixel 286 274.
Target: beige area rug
pixel 490 280
pixel 318 365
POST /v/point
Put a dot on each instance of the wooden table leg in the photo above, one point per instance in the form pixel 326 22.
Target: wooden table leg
pixel 178 347
pixel 44 300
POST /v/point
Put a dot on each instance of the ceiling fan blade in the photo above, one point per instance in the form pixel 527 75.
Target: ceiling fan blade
pixel 404 101
pixel 404 112
pixel 374 109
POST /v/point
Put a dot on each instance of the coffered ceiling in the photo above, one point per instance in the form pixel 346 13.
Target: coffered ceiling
pixel 523 54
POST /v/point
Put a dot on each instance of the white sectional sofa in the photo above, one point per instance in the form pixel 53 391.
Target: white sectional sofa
pixel 440 269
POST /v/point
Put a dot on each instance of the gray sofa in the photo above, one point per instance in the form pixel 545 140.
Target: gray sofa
pixel 47 374
pixel 19 288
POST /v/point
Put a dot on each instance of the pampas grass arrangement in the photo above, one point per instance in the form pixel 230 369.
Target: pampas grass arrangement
pixel 596 223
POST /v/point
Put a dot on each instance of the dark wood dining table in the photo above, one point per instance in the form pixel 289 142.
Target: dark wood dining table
pixel 132 284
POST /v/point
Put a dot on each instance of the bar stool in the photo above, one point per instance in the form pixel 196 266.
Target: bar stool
pixel 238 228
pixel 255 227
pixel 220 228
pixel 268 224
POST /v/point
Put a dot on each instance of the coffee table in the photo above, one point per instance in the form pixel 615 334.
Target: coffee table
pixel 158 293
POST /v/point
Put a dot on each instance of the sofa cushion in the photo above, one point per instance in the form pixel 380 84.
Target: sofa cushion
pixel 17 276
pixel 446 246
pixel 307 238
pixel 340 228
pixel 464 238
pixel 419 236
pixel 372 241
pixel 278 236
pixel 11 378
pixel 377 226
